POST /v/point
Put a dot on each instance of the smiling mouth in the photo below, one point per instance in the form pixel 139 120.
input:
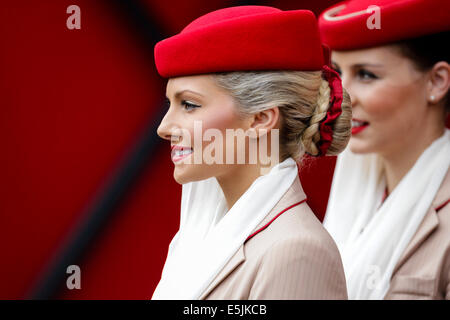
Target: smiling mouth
pixel 179 152
pixel 358 126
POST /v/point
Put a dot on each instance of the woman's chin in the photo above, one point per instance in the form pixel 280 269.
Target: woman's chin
pixel 180 177
pixel 184 173
pixel 359 147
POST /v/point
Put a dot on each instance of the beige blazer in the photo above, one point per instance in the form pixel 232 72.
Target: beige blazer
pixel 423 271
pixel 292 257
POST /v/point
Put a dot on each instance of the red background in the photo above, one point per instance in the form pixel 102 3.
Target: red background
pixel 73 105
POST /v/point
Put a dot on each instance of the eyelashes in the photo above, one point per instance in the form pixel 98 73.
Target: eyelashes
pixel 361 74
pixel 366 75
pixel 189 106
pixel 184 103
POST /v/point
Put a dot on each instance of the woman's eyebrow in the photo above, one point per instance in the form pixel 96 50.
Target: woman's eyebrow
pixel 178 93
pixel 362 65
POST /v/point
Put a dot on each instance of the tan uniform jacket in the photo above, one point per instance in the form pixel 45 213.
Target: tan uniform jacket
pixel 291 256
pixel 423 272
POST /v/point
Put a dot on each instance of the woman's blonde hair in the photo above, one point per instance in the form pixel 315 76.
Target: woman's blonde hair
pixel 303 100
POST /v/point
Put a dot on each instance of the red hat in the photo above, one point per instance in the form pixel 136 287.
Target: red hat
pixel 352 24
pixel 243 38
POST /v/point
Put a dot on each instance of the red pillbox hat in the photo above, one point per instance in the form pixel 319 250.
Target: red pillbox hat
pixel 243 38
pixel 345 25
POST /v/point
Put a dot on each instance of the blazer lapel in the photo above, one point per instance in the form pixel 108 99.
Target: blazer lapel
pixel 294 194
pixel 235 260
pixel 428 225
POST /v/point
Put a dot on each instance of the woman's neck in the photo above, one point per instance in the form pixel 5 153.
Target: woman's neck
pixel 397 164
pixel 238 180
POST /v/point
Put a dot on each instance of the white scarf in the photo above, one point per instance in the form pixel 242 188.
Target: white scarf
pixel 370 257
pixel 208 237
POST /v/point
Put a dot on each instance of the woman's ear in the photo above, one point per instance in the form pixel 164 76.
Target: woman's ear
pixel 266 120
pixel 439 82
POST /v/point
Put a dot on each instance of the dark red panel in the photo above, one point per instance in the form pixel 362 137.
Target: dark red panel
pixel 73 103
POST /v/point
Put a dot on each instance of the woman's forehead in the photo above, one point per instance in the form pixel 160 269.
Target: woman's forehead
pixel 382 55
pixel 194 83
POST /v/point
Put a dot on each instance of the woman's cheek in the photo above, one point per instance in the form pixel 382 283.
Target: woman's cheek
pixel 387 114
pixel 220 118
pixel 379 102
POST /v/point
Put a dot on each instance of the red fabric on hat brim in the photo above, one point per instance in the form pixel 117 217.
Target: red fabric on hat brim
pixel 347 29
pixel 278 40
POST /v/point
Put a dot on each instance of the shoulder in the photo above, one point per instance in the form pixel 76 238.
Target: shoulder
pixel 290 222
pixel 296 255
pixel 297 227
pixel 441 206
pixel 425 269
pixel 441 203
pixel 302 238
pixel 300 261
pixel 443 213
pixel 307 254
pixel 441 237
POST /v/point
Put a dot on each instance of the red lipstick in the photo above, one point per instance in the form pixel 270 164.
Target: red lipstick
pixel 358 126
pixel 179 152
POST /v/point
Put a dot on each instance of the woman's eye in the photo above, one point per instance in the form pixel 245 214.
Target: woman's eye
pixel 189 106
pixel 366 75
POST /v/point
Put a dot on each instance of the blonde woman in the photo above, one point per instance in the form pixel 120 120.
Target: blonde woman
pixel 389 207
pixel 246 231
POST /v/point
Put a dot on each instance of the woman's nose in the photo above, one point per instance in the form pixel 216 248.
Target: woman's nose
pixel 165 127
